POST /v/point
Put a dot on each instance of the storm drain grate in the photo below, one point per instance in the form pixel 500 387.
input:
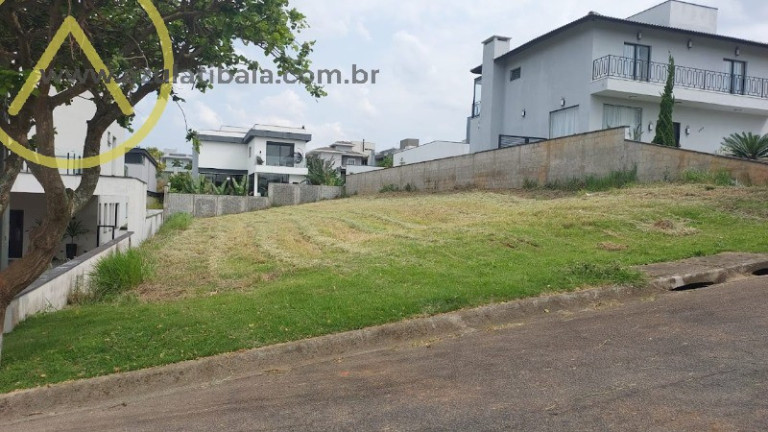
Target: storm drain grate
pixel 693 286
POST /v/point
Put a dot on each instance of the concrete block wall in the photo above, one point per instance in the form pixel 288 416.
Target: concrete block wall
pixel 287 194
pixel 206 206
pixel 596 153
pixel 51 291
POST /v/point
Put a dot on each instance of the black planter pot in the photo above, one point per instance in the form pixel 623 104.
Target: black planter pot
pixel 71 250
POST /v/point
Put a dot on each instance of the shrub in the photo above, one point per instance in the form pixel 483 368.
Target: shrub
pixel 614 180
pixel 118 273
pixel 720 178
pixel 746 145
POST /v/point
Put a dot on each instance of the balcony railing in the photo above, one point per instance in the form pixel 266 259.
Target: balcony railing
pixel 686 77
pixel 514 141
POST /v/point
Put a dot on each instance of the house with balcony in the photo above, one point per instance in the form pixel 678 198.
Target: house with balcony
pixel 601 72
pixel 264 154
pixel 345 154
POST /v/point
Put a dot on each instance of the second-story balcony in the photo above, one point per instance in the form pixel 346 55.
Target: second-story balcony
pixel 622 76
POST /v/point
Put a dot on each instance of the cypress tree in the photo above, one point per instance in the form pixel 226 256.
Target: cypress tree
pixel 665 127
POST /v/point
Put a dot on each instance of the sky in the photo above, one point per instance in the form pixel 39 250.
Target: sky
pixel 423 49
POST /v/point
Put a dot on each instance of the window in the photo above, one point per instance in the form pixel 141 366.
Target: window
pixel 617 116
pixel 637 61
pixel 476 102
pixel 736 71
pixel 564 122
pixel 250 152
pixel 346 160
pixel 134 159
pixel 515 74
pixel 280 154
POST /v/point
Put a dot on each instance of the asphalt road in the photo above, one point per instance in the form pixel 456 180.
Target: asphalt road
pixel 688 361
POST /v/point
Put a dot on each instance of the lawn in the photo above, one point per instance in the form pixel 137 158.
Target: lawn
pixel 290 273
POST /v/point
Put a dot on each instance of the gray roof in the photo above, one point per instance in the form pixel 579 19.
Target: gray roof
pixel 594 17
pixel 337 151
pixel 256 133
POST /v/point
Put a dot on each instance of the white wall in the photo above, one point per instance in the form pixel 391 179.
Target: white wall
pixel 224 156
pixel 71 123
pixel 130 193
pixel 146 172
pixel 431 151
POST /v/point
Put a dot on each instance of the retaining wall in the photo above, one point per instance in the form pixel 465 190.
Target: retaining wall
pixel 563 159
pixel 286 195
pixel 51 290
pixel 206 206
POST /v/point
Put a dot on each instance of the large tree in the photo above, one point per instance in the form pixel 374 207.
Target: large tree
pixel 204 34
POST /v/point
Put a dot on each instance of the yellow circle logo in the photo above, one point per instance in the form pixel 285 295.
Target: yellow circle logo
pixel 70 27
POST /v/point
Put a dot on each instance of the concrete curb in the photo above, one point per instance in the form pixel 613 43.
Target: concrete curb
pixel 121 387
pixel 704 270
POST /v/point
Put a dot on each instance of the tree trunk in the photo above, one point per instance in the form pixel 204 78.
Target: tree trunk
pixel 3 310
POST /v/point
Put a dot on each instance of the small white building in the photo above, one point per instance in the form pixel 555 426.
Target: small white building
pixel 265 154
pixel 118 204
pixel 600 72
pixel 140 164
pixel 431 151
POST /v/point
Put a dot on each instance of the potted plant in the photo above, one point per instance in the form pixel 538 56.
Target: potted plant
pixel 74 230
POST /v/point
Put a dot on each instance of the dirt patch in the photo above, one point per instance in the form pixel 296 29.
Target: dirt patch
pixel 612 247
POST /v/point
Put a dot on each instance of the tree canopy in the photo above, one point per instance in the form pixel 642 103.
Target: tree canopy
pixel 204 34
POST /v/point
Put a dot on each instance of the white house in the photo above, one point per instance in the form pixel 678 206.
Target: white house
pixel 345 154
pixel 118 204
pixel 266 154
pixel 599 72
pixel 176 162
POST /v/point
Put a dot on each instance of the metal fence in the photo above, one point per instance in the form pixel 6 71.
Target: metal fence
pixel 687 77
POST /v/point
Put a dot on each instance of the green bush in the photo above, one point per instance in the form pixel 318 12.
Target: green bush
pixel 116 274
pixel 719 178
pixel 614 180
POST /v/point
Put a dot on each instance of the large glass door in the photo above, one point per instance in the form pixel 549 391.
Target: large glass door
pixel 638 59
pixel 737 72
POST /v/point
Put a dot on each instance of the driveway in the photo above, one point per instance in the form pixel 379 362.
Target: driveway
pixel 687 361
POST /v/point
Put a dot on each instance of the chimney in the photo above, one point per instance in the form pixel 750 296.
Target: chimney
pixel 409 143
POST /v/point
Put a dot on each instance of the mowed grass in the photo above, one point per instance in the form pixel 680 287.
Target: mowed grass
pixel 239 282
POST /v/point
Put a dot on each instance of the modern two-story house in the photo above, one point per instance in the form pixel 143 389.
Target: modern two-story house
pixel 265 154
pixel 600 72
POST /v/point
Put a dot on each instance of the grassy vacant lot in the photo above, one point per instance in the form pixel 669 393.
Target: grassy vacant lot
pixel 289 273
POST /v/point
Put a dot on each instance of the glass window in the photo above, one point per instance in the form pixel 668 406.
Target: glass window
pixel 617 116
pixel 515 74
pixel 280 154
pixel 737 71
pixel 637 59
pixel 564 122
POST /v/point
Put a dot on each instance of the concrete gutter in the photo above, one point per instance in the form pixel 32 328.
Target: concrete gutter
pixel 704 270
pixel 120 388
